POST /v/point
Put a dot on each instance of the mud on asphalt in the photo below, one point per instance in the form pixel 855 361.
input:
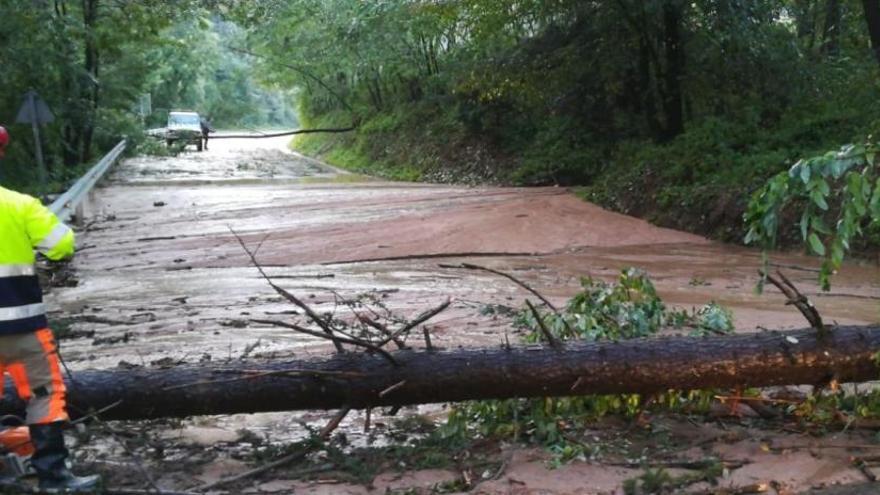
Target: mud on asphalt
pixel 160 279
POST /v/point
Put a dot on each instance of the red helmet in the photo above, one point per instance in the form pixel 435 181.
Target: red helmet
pixel 4 137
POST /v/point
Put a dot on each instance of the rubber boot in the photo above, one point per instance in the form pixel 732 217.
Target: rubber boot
pixel 49 462
pixel 7 481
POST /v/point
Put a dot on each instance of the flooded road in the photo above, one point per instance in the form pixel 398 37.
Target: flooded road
pixel 158 261
pixel 162 278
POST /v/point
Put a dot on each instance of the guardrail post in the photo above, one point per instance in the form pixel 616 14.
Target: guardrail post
pixel 79 214
pixel 72 202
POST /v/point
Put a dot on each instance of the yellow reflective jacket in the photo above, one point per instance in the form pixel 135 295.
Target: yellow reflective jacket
pixel 26 225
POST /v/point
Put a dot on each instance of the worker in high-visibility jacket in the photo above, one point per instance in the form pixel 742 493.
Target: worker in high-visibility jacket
pixel 27 347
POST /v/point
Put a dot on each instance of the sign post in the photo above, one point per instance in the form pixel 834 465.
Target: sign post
pixel 34 111
pixel 145 106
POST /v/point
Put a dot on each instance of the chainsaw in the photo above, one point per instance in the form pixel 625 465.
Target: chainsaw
pixel 16 448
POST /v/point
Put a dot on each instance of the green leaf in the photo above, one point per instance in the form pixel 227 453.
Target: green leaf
pixel 825 276
pixel 805 223
pixel 860 207
pixel 855 183
pixel 769 223
pixel 837 167
pixel 816 244
pixel 819 226
pixel 805 173
pixel 875 201
pixel 846 150
pixel 837 254
pixel 795 169
pixel 819 199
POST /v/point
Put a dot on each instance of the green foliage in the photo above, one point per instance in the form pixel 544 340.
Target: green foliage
pixel 86 60
pixel 700 180
pixel 157 147
pixel 92 61
pixel 383 146
pixel 416 444
pixel 554 157
pixel 197 66
pixel 652 481
pixel 659 480
pixel 576 93
pixel 835 406
pixel 837 196
pixel 711 319
pixel 629 308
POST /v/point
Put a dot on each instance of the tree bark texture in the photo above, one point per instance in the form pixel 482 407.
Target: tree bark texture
pixel 831 32
pixel 90 88
pixel 361 380
pixel 278 134
pixel 802 11
pixel 872 17
pixel 674 70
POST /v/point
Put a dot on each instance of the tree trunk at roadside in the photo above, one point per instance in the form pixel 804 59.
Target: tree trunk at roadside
pixel 91 89
pixel 802 11
pixel 361 380
pixel 673 70
pixel 831 32
pixel 872 16
pixel 69 90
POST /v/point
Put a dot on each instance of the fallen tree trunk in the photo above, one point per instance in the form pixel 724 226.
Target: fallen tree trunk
pixel 279 134
pixel 362 380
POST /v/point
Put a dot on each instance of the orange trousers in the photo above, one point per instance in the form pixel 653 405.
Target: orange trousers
pixel 31 360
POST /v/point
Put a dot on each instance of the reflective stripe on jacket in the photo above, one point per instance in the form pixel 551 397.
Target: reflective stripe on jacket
pixel 26 225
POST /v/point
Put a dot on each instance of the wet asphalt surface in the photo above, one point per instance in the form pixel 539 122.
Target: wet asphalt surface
pixel 162 278
pixel 161 273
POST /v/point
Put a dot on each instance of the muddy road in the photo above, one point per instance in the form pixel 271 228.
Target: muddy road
pixel 161 278
pixel 158 261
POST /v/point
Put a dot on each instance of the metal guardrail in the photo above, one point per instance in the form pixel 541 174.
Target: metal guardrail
pixel 67 203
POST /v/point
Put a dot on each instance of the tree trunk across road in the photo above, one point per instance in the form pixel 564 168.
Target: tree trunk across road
pixel 361 380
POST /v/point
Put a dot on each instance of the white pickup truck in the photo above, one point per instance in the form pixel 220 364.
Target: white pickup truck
pixel 185 126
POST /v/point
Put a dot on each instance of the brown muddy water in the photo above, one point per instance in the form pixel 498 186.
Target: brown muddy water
pixel 163 279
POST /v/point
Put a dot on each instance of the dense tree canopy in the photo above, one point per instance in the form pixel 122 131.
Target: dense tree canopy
pixel 616 69
pixel 93 62
pixel 669 109
pixel 660 105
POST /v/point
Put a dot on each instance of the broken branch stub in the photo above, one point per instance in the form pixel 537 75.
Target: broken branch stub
pixel 548 335
pixel 471 266
pixel 799 301
pixel 336 339
pixel 381 328
pixel 422 318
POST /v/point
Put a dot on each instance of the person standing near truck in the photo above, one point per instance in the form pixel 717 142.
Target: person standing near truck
pixel 205 124
pixel 28 353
